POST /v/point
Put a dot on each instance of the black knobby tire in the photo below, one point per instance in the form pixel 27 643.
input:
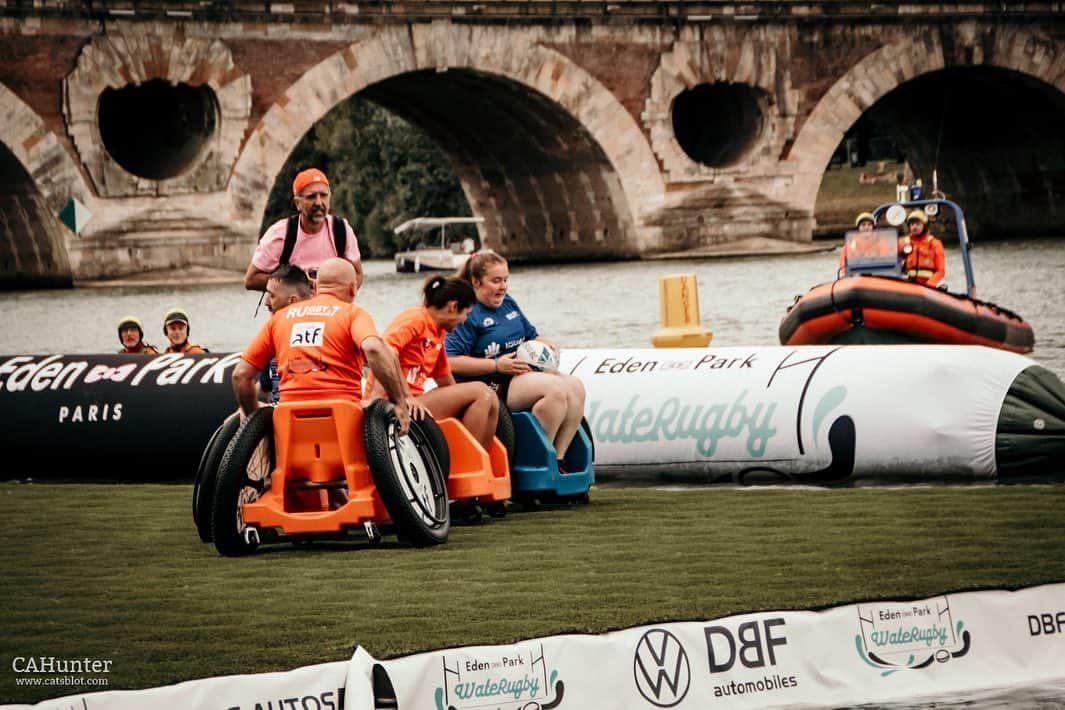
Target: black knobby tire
pixel 431 431
pixel 207 475
pixel 505 431
pixel 243 477
pixel 408 477
pixel 588 430
pixel 197 482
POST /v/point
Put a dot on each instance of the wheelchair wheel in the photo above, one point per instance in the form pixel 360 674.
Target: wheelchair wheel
pixel 588 430
pixel 207 475
pixel 408 477
pixel 430 430
pixel 505 431
pixel 243 476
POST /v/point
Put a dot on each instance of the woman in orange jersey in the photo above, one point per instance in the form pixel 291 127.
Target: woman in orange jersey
pixel 417 335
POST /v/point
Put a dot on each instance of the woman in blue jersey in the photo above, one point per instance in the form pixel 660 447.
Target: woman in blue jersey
pixel 483 348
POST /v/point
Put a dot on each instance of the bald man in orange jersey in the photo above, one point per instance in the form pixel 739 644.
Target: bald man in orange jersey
pixel 321 345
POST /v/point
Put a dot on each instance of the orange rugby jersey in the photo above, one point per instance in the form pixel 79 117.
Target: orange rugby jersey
pixel 318 346
pixel 419 342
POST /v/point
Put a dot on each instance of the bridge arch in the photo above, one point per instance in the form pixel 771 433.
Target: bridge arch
pixel 37 178
pixel 576 171
pixel 998 55
pixel 40 152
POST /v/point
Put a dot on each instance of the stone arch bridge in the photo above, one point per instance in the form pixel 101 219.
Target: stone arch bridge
pixel 578 129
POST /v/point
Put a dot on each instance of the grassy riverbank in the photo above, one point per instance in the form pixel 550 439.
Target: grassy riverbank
pixel 117 572
pixel 843 195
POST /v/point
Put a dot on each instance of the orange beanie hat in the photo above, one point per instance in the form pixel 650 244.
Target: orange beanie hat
pixel 308 177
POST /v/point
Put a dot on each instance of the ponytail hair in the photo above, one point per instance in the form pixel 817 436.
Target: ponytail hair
pixel 477 264
pixel 441 290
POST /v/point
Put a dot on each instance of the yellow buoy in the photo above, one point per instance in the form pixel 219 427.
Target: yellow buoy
pixel 678 296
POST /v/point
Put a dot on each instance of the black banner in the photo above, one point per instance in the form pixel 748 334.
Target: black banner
pixel 116 417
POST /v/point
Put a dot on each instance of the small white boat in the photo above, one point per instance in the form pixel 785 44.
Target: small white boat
pixel 424 256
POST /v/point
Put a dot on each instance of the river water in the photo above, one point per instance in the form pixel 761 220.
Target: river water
pixel 580 305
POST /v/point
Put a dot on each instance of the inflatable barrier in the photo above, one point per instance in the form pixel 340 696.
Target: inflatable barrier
pixel 823 414
pixel 805 414
pixel 120 417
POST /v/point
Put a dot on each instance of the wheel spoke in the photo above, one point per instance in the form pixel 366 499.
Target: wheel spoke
pixel 261 462
pixel 416 478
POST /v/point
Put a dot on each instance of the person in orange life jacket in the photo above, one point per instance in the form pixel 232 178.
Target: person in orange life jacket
pixel 484 348
pixel 176 329
pixel 865 222
pixel 307 238
pixel 131 336
pixel 321 346
pixel 924 260
pixel 863 243
pixel 417 335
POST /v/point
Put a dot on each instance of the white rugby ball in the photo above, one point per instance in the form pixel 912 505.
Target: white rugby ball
pixel 540 357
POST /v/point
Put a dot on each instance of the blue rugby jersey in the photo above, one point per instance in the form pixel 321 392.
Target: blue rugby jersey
pixel 490 332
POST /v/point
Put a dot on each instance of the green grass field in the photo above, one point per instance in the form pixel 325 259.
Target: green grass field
pixel 117 572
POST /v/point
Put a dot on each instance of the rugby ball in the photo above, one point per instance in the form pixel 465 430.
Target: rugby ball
pixel 540 357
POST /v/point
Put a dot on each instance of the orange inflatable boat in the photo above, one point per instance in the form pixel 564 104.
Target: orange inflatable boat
pixel 867 309
pixel 873 304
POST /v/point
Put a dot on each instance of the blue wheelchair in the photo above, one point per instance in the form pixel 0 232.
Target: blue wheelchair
pixel 534 473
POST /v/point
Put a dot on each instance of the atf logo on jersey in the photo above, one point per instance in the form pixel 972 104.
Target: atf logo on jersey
pixel 661 668
pixel 307 335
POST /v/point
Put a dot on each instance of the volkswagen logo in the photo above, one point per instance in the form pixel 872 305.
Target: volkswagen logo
pixel 661 668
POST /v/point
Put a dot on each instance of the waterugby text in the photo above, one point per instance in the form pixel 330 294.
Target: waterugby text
pixel 670 419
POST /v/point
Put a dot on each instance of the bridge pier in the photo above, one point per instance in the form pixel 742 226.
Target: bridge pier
pixel 129 236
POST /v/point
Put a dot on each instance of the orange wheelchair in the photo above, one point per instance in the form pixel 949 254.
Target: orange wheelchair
pixel 478 480
pixel 306 469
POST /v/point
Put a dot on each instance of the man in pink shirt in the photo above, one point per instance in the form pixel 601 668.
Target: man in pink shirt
pixel 306 239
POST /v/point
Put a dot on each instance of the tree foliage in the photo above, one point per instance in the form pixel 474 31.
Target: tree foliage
pixel 382 171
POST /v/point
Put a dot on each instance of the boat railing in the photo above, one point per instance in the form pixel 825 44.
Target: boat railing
pixel 895 214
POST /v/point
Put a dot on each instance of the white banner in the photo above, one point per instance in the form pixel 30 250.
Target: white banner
pixel 943 647
pixel 878 652
pixel 797 413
